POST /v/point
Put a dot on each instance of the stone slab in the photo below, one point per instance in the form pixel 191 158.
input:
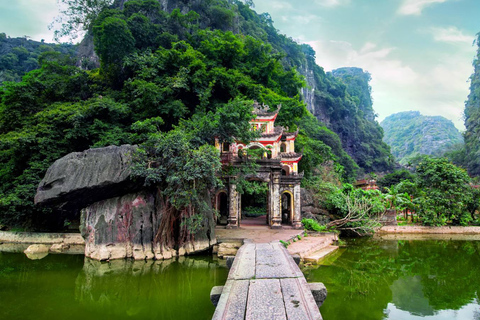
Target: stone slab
pixel 273 261
pixel 265 283
pixel 244 264
pixel 265 300
pixel 298 305
pixel 215 294
pixel 233 301
pixel 319 292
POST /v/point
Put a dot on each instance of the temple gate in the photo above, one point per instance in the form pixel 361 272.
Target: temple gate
pixel 278 168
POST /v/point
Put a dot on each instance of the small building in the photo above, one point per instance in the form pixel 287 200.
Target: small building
pixel 366 184
pixel 278 167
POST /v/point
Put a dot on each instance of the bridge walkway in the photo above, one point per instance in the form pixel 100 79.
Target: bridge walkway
pixel 266 283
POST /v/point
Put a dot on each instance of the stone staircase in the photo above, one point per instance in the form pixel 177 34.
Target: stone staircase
pixel 313 248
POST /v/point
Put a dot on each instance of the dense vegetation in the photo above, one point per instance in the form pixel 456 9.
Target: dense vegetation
pixel 158 67
pixel 436 193
pixel 354 121
pixel 20 55
pixel 471 155
pixel 410 134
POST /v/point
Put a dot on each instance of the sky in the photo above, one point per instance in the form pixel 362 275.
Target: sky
pixel 418 52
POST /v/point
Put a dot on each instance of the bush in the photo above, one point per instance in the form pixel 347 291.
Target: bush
pixel 312 225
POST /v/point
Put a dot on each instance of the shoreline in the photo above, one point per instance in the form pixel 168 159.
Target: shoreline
pixel 429 230
pixel 41 238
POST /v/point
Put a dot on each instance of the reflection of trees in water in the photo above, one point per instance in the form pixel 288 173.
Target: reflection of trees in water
pixel 435 275
pixel 149 289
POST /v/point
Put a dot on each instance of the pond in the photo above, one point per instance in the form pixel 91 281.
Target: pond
pixel 402 279
pixel 73 287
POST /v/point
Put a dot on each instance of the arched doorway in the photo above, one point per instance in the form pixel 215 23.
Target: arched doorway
pixel 254 203
pixel 222 207
pixel 287 207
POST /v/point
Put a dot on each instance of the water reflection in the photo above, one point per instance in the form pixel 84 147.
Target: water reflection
pixel 403 279
pixel 170 289
pixel 72 287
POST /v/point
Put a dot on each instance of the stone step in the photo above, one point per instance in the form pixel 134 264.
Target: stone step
pixel 309 245
pixel 320 254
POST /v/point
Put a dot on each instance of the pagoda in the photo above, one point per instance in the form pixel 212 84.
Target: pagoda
pixel 278 167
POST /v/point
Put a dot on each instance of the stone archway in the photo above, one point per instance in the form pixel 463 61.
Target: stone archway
pixel 222 207
pixel 287 206
pixel 254 206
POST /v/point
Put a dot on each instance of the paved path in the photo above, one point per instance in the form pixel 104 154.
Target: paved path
pixel 265 283
pixel 257 234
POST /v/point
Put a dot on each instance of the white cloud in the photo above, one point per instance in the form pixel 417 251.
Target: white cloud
pixel 28 17
pixel 302 19
pixel 439 88
pixel 280 5
pixel 415 7
pixel 335 54
pixel 451 35
pixel 331 3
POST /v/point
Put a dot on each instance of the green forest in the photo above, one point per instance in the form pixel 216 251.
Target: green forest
pixel 411 134
pixel 172 81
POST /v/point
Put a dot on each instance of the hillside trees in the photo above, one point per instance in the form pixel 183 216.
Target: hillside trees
pixel 354 120
pixel 20 55
pixel 472 118
pixel 77 16
pixel 60 108
pixel 411 134
pixel 447 192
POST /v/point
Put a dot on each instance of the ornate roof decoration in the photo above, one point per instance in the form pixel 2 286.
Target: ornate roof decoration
pixel 263 110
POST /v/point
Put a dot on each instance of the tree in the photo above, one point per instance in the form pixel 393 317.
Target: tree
pixel 113 42
pixel 447 192
pixel 183 173
pixel 77 16
pixel 395 178
pixel 356 210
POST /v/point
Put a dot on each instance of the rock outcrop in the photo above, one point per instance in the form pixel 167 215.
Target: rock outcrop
pixel 311 208
pixel 82 178
pixel 119 217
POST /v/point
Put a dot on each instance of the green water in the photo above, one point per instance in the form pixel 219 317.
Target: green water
pixel 72 287
pixel 377 279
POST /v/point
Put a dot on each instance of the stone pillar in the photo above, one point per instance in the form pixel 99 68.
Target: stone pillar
pixel 276 218
pixel 232 207
pixel 297 207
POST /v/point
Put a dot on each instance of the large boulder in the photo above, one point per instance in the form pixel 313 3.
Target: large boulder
pixel 122 227
pixel 82 178
pixel 119 216
pixel 125 227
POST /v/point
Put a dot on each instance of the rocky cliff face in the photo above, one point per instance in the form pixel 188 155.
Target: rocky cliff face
pixel 342 101
pixel 119 217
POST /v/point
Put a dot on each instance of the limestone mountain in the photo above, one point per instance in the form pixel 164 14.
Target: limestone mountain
pixel 21 55
pixel 472 119
pixel 340 100
pixel 162 64
pixel 410 134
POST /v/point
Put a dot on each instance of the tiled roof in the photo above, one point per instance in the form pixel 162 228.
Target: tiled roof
pixel 290 155
pixel 276 132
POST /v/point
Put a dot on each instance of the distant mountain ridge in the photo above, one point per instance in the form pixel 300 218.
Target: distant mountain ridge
pixel 410 134
pixel 20 55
